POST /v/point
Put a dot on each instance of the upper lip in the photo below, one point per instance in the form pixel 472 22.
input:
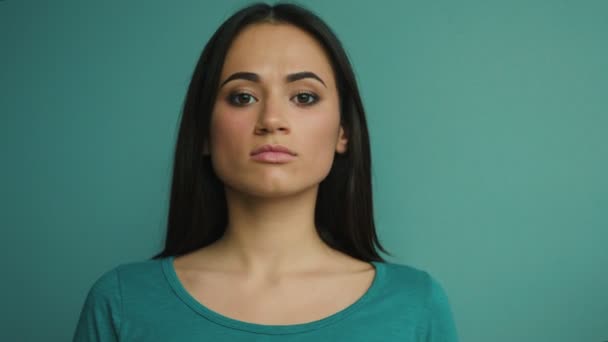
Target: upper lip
pixel 272 148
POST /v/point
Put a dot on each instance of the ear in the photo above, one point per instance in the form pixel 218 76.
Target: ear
pixel 342 141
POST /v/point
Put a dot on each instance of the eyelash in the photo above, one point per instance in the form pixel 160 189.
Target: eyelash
pixel 233 96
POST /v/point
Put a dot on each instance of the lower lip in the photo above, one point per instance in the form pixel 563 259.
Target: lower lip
pixel 273 157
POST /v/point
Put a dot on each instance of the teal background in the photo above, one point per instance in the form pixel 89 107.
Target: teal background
pixel 488 128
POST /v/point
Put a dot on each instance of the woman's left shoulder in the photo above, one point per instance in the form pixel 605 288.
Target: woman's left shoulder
pixel 413 282
pixel 424 293
pixel 398 274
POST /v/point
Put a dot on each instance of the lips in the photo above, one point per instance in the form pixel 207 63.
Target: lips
pixel 273 154
pixel 272 148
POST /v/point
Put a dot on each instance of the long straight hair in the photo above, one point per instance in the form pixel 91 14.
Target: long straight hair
pixel 344 210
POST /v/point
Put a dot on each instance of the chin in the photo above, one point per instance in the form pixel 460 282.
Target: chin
pixel 272 189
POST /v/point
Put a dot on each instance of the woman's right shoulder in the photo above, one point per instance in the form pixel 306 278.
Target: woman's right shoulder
pixel 129 274
pixel 104 311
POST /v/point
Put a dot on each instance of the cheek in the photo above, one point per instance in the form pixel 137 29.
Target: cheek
pixel 226 133
pixel 321 140
pixel 323 137
pixel 228 143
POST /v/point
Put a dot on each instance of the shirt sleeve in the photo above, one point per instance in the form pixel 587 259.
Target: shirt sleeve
pixel 101 313
pixel 440 322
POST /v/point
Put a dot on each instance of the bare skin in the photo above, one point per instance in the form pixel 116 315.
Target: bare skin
pixel 291 298
pixel 271 267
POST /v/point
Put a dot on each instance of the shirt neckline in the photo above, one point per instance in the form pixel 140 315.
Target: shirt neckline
pixel 188 299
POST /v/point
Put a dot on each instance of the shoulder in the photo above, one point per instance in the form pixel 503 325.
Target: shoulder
pixel 426 295
pixel 401 276
pixel 140 269
pixel 415 276
pixel 113 282
pixel 133 283
pixel 402 272
pixel 414 281
pixel 103 311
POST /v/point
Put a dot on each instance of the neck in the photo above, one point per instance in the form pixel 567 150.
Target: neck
pixel 272 235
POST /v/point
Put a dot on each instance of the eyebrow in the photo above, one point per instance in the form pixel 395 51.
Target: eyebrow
pixel 253 77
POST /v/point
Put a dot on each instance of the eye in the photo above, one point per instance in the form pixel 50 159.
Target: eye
pixel 241 99
pixel 305 98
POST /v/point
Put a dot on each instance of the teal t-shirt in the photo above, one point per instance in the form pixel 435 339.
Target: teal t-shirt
pixel 145 301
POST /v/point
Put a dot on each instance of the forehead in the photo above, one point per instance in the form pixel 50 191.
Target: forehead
pixel 275 50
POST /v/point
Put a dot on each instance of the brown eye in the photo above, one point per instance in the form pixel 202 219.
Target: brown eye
pixel 306 98
pixel 241 99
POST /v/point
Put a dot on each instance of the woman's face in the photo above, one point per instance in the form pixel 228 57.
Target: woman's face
pixel 287 96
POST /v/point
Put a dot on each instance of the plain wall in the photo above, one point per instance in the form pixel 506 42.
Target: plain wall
pixel 488 126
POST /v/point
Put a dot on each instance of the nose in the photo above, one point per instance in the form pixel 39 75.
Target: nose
pixel 272 116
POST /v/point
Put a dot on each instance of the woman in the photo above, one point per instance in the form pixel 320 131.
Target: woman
pixel 270 232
